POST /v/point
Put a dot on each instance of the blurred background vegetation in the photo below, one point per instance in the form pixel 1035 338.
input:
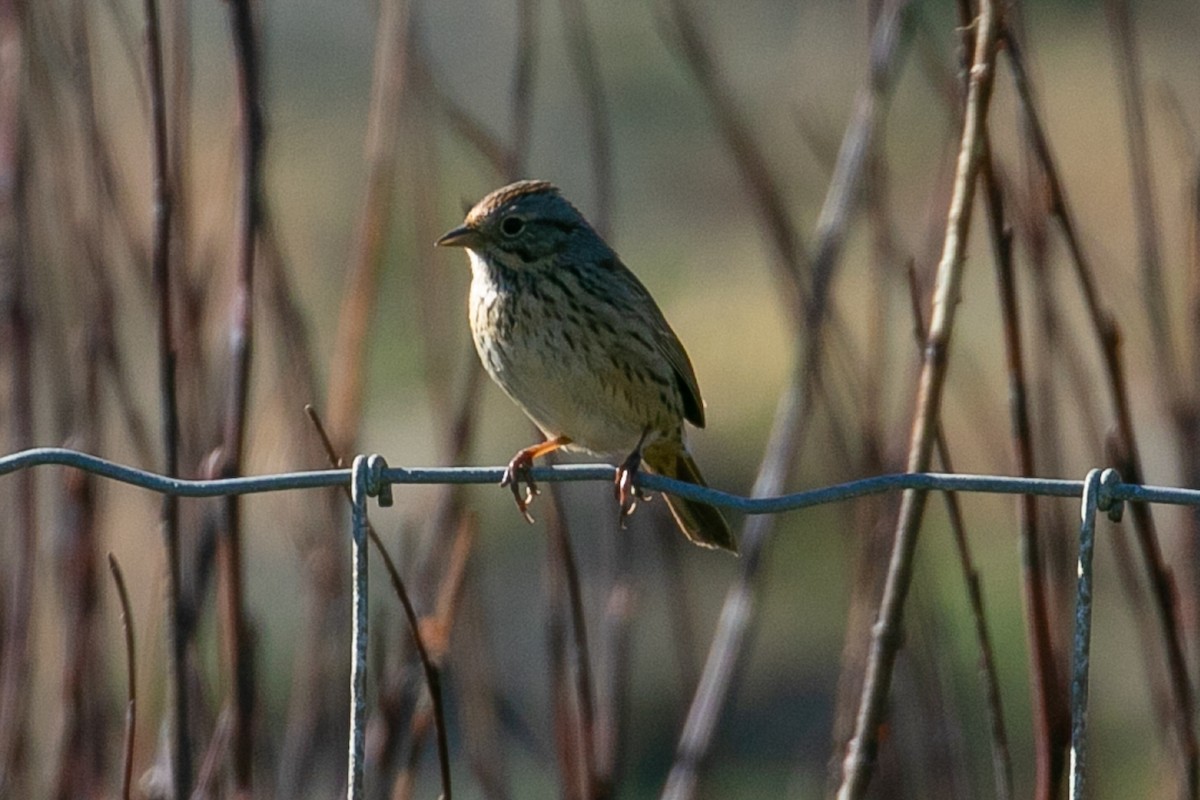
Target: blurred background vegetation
pixel 383 122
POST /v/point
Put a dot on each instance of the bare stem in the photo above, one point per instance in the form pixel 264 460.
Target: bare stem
pixel 181 767
pixel 131 675
pixel 794 408
pixel 583 56
pixel 359 297
pixel 432 675
pixel 886 638
pixel 1107 334
pixel 1001 754
pixel 239 647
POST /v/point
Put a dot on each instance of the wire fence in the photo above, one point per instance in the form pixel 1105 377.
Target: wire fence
pixel 1101 491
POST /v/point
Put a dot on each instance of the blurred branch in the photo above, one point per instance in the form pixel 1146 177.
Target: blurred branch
pixel 765 193
pixel 80 758
pixel 886 635
pixel 522 89
pixel 131 675
pixel 239 647
pixel 1188 416
pixel 344 397
pixel 440 331
pixel 1051 720
pixel 1127 62
pixel 573 702
pixel 436 629
pixel 1107 335
pixel 179 127
pixel 618 600
pixel 318 655
pixel 1001 754
pixel 214 756
pixel 583 57
pixel 793 412
pixel 1180 400
pixel 362 277
pixel 462 122
pixel 432 675
pixel 178 625
pixel 15 331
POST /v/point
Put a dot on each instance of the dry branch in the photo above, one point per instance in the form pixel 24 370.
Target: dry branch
pixel 886 639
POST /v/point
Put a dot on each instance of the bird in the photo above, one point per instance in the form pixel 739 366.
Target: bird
pixel 572 336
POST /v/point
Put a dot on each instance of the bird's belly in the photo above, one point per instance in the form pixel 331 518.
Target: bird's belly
pixel 563 400
pixel 556 378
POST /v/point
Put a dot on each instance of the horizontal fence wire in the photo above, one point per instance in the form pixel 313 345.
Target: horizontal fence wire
pixel 312 479
pixel 372 477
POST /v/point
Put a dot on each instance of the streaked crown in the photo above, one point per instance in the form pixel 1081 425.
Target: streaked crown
pixel 521 196
pixel 525 223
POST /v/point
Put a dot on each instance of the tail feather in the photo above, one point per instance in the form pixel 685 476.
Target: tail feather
pixel 701 523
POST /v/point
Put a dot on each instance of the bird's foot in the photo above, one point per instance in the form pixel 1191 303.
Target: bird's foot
pixel 520 471
pixel 628 494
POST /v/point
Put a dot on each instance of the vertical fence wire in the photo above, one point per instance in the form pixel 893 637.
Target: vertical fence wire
pixel 358 660
pixel 1097 496
pixel 1083 633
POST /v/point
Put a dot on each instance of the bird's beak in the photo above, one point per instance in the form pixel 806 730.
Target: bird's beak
pixel 463 236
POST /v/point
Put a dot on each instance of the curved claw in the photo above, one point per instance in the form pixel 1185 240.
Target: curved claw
pixel 627 493
pixel 519 472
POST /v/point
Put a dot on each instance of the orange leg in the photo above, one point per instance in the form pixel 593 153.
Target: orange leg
pixel 518 472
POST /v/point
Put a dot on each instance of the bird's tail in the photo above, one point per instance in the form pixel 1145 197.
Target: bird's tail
pixel 701 523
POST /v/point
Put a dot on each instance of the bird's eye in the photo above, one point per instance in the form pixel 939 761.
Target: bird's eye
pixel 511 226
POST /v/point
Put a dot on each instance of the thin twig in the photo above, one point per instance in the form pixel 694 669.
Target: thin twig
pixel 1127 61
pixel 522 89
pixel 346 380
pixel 1174 397
pixel 210 765
pixel 436 630
pixel 1107 334
pixel 793 412
pixel 181 766
pixel 131 676
pixel 1051 722
pixel 462 122
pixel 101 194
pixel 432 675
pixel 1058 359
pixel 322 555
pixel 793 274
pixel 239 647
pixel 1185 411
pixel 583 57
pixel 886 636
pixel 612 658
pixel 79 771
pixel 15 331
pixel 574 773
pixel 1001 753
pixel 565 599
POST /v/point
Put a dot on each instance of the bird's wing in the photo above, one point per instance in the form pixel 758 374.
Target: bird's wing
pixel 666 342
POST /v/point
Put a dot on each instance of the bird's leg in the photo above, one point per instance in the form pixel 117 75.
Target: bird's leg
pixel 518 472
pixel 627 493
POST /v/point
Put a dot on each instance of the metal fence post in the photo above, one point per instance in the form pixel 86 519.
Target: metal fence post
pixel 358 649
pixel 366 480
pixel 1097 496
